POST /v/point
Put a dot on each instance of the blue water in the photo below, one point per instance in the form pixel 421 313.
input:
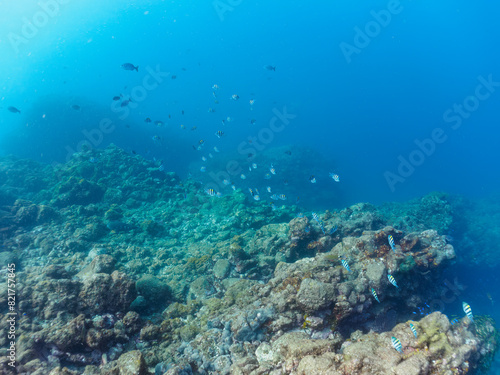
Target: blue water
pixel 357 114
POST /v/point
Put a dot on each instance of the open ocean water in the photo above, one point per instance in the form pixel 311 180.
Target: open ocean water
pixel 396 99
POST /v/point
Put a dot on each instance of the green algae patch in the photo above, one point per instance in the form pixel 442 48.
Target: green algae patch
pixel 213 304
pixel 179 310
pixel 239 293
pixel 198 264
pixel 407 265
pixel 439 345
pixel 114 213
pixel 189 332
pixel 151 227
pixel 153 290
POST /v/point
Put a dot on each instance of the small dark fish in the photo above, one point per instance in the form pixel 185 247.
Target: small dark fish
pixel 253 121
pixel 288 152
pixel 119 226
pixel 115 98
pixel 182 111
pixel 76 107
pixel 174 77
pixel 270 67
pixel 219 133
pixel 184 69
pixel 125 103
pixel 333 230
pixel 129 66
pixel 14 110
pixel 148 120
pixel 133 152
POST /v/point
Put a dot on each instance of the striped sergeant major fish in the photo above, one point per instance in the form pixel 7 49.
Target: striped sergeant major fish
pixel 316 217
pixel 391 243
pixel 414 330
pixel 397 344
pixel 392 280
pixel 346 265
pixel 374 293
pixel 468 311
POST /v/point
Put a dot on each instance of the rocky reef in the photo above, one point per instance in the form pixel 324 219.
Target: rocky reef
pixel 123 268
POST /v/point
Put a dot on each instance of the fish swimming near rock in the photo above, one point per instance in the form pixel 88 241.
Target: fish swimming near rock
pixel 315 217
pixel 119 226
pixel 397 344
pixel 391 242
pixel 346 265
pixel 414 330
pixel 13 109
pixel 213 193
pixel 374 293
pixel 129 66
pixel 392 280
pixel 468 311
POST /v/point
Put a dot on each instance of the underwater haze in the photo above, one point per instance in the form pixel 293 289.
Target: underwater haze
pixel 360 99
pixel 316 105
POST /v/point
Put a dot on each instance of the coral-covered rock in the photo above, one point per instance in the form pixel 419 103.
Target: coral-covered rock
pixel 221 268
pixel 132 363
pixel 66 336
pixel 314 295
pixel 132 322
pixel 153 290
pixel 107 293
pixel 27 214
pixel 49 297
pixel 78 191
